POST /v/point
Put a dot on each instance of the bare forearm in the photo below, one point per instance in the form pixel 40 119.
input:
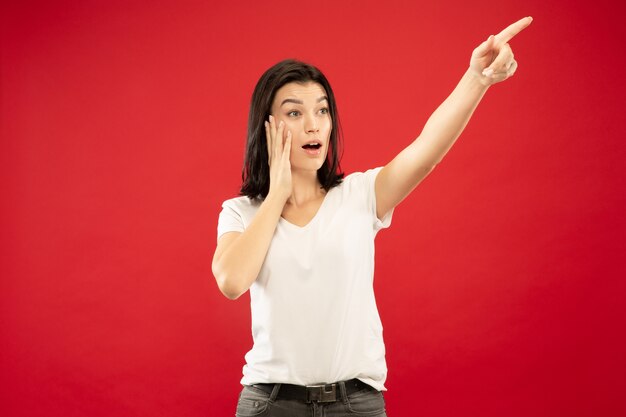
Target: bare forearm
pixel 418 159
pixel 239 265
pixel 447 122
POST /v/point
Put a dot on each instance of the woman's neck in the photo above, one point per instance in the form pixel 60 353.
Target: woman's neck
pixel 305 188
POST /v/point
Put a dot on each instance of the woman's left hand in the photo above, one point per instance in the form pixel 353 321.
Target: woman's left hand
pixel 492 61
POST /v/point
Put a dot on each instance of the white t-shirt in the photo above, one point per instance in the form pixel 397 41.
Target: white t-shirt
pixel 314 315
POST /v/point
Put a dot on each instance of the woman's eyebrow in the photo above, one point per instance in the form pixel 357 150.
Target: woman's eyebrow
pixel 293 100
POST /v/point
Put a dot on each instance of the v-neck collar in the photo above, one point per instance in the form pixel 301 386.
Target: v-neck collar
pixel 313 219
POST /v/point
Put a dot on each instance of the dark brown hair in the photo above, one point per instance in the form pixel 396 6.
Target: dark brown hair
pixel 256 171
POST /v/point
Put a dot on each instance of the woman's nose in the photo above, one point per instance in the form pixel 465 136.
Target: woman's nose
pixel 311 125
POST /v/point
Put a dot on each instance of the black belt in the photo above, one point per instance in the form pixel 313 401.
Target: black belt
pixel 320 393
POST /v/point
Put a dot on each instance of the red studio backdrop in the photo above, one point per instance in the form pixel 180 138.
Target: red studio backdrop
pixel 500 283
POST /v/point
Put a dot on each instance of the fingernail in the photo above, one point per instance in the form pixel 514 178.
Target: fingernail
pixel 271 118
pixel 487 72
pixel 281 123
pixel 266 124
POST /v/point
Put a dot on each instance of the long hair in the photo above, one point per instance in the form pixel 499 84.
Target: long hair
pixel 256 170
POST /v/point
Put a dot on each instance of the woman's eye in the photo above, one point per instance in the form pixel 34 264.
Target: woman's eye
pixel 293 113
pixel 324 110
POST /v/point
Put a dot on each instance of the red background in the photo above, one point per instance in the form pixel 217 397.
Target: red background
pixel 500 283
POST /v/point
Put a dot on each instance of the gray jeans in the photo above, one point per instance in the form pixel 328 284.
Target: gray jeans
pixel 256 402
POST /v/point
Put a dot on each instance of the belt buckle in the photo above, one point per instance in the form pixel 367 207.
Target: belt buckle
pixel 321 393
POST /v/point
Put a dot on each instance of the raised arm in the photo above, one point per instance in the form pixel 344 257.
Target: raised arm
pixel 239 257
pixel 491 62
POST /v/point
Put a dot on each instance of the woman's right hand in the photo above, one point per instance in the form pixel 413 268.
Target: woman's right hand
pixel 279 151
pixel 239 256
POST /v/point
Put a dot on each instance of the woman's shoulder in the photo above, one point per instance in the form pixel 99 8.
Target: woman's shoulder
pixel 242 203
pixel 361 177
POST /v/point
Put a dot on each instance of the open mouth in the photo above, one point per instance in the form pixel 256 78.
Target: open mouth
pixel 313 146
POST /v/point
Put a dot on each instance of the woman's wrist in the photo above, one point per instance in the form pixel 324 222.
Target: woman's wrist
pixel 477 80
pixel 276 198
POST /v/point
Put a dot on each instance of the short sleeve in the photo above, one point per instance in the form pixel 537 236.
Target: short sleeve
pixel 369 178
pixel 230 220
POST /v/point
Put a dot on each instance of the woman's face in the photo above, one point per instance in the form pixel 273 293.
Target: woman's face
pixel 304 109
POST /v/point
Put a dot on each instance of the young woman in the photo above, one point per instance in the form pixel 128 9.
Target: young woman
pixel 301 238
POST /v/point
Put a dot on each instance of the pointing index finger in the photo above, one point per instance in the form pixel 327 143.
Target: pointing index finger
pixel 512 30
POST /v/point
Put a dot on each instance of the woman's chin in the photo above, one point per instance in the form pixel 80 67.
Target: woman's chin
pixel 309 166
